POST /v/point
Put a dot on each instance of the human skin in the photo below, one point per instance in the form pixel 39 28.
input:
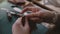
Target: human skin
pixel 38 14
pixel 18 28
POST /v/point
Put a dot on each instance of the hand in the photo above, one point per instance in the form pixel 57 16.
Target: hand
pixel 33 11
pixel 18 28
pixel 31 8
pixel 42 16
pixel 39 15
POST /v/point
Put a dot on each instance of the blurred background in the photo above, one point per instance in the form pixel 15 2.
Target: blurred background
pixel 53 4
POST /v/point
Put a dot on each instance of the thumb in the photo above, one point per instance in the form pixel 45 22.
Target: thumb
pixel 24 10
pixel 18 22
pixel 26 22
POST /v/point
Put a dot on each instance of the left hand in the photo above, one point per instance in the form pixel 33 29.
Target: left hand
pixel 18 28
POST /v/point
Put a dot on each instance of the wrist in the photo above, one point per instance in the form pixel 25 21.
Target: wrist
pixel 48 16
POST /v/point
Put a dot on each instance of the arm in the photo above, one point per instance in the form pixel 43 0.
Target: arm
pixel 56 29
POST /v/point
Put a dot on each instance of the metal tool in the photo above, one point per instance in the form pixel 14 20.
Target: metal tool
pixel 9 16
pixel 40 5
pixel 8 13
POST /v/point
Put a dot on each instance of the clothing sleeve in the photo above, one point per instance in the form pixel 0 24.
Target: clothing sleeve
pixel 56 29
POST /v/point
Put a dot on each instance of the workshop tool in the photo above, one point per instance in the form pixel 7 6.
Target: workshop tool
pixel 32 25
pixel 8 13
pixel 40 5
pixel 9 16
pixel 17 2
pixel 34 2
pixel 11 13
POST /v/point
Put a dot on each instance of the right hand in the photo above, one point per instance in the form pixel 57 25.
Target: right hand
pixel 34 11
pixel 31 8
pixel 41 16
pixel 38 15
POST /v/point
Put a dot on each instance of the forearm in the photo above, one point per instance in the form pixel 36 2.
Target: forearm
pixel 48 16
pixel 57 25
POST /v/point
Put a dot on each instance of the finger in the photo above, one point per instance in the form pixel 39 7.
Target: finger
pixel 26 22
pixel 32 9
pixel 24 10
pixel 19 22
pixel 35 9
pixel 32 15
